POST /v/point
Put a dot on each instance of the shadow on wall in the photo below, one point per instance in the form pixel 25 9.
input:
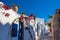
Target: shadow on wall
pixel 4 32
pixel 27 34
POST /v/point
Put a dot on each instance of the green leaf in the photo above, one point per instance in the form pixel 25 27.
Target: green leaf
pixel 18 6
pixel 22 13
pixel 12 4
pixel 50 16
pixel 49 24
pixel 34 17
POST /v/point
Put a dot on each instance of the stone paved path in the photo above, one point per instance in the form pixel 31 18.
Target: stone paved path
pixel 46 37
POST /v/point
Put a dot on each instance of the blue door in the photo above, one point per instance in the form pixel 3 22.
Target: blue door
pixel 14 30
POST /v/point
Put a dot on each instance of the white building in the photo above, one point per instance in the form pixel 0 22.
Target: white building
pixel 36 26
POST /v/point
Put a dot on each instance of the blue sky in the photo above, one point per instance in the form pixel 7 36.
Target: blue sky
pixel 40 8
